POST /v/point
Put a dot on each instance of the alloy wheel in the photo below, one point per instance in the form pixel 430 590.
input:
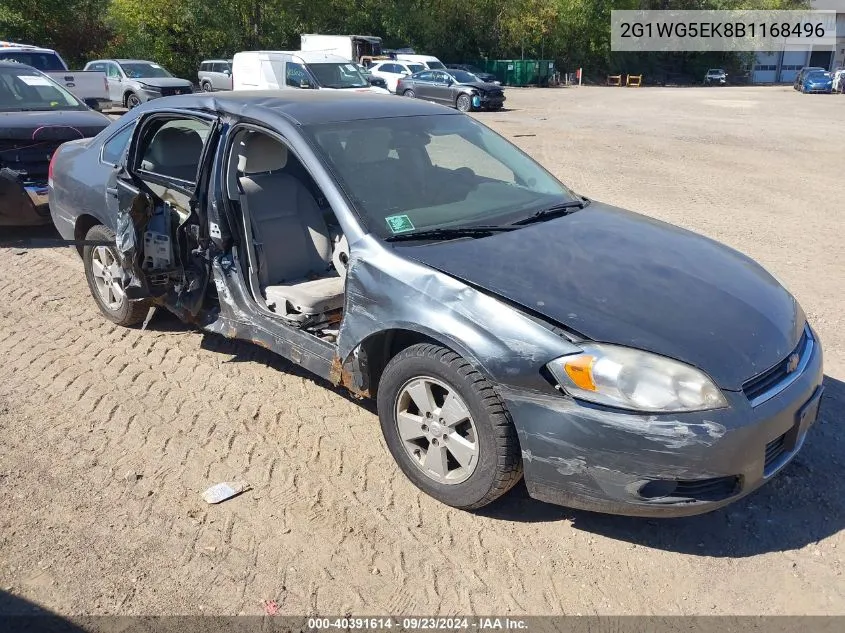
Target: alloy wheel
pixel 108 277
pixel 437 430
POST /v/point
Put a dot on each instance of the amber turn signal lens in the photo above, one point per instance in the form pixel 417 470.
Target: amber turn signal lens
pixel 580 371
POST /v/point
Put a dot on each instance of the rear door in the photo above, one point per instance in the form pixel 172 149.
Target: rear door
pixel 157 193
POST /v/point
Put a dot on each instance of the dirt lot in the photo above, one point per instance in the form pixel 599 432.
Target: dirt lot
pixel 110 435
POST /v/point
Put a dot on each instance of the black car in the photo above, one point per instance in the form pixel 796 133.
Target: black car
pixel 36 116
pixel 456 88
pixel 489 78
pixel 502 322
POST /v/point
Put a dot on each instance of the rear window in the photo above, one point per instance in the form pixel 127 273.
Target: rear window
pixel 45 62
pixel 436 65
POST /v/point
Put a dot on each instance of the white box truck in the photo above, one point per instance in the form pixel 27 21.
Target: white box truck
pixel 356 48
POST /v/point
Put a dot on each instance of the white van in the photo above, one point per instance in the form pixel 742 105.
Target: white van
pixel 430 62
pixel 276 70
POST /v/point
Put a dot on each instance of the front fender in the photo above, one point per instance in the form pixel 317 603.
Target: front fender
pixel 386 291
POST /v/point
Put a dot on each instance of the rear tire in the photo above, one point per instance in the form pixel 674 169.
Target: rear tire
pixel 409 93
pixel 107 286
pixel 206 86
pixel 465 453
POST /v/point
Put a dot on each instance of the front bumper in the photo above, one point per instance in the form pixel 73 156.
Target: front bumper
pixel 22 202
pixel 489 102
pixel 818 89
pixel 592 458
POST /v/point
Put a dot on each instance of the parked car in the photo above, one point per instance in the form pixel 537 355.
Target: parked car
pixel 215 74
pixel 716 77
pixel 392 71
pixel 456 88
pixel 802 74
pixel 486 77
pixel 838 84
pixel 378 82
pixel 817 81
pixel 502 322
pixel 136 81
pixel 89 87
pixel 430 62
pixel 280 70
pixel 37 115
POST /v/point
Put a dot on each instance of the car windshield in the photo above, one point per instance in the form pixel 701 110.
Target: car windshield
pixel 436 65
pixel 433 171
pixel 338 75
pixel 817 75
pixel 715 71
pixel 463 77
pixel 45 62
pixel 26 89
pixel 142 70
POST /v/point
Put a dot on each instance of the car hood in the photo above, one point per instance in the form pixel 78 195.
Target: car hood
pixel 481 85
pixel 44 125
pixel 619 277
pixel 163 82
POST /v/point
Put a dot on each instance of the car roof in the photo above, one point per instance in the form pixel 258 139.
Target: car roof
pixel 304 107
pixel 15 46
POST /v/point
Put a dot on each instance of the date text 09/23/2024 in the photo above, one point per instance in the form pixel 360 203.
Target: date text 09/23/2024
pixel 418 623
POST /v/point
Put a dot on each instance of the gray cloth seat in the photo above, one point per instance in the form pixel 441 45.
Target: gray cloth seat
pixel 295 250
pixel 174 152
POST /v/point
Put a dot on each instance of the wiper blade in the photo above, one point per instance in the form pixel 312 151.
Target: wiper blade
pixel 564 208
pixel 448 233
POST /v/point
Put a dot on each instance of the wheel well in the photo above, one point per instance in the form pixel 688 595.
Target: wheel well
pixel 381 347
pixel 84 223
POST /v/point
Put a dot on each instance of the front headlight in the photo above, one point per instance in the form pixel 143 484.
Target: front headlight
pixel 632 379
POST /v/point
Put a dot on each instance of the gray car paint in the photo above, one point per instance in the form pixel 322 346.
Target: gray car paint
pixel 622 278
pixel 573 453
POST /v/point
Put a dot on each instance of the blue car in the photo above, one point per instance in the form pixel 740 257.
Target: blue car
pixel 817 81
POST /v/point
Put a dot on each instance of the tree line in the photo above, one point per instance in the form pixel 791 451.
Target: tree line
pixel 180 33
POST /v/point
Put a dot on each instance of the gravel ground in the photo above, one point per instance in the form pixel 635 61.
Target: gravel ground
pixel 110 435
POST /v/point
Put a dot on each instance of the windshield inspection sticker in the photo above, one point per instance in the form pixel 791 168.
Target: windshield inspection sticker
pixel 399 223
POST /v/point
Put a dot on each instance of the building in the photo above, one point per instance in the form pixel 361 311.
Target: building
pixel 782 66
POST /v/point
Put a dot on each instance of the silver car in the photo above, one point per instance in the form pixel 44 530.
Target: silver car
pixel 135 81
pixel 215 74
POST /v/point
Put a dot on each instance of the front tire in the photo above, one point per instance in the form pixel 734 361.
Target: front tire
pixel 446 428
pixel 105 280
pixel 464 103
pixel 131 101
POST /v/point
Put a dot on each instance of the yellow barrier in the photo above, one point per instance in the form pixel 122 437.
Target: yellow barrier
pixel 634 81
pixel 614 80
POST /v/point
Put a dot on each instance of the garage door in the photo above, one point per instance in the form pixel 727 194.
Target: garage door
pixel 765 68
pixel 793 61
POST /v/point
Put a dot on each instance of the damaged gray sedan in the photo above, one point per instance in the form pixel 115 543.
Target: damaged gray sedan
pixel 503 323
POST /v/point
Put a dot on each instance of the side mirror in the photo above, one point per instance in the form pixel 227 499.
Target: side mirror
pixel 227 72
